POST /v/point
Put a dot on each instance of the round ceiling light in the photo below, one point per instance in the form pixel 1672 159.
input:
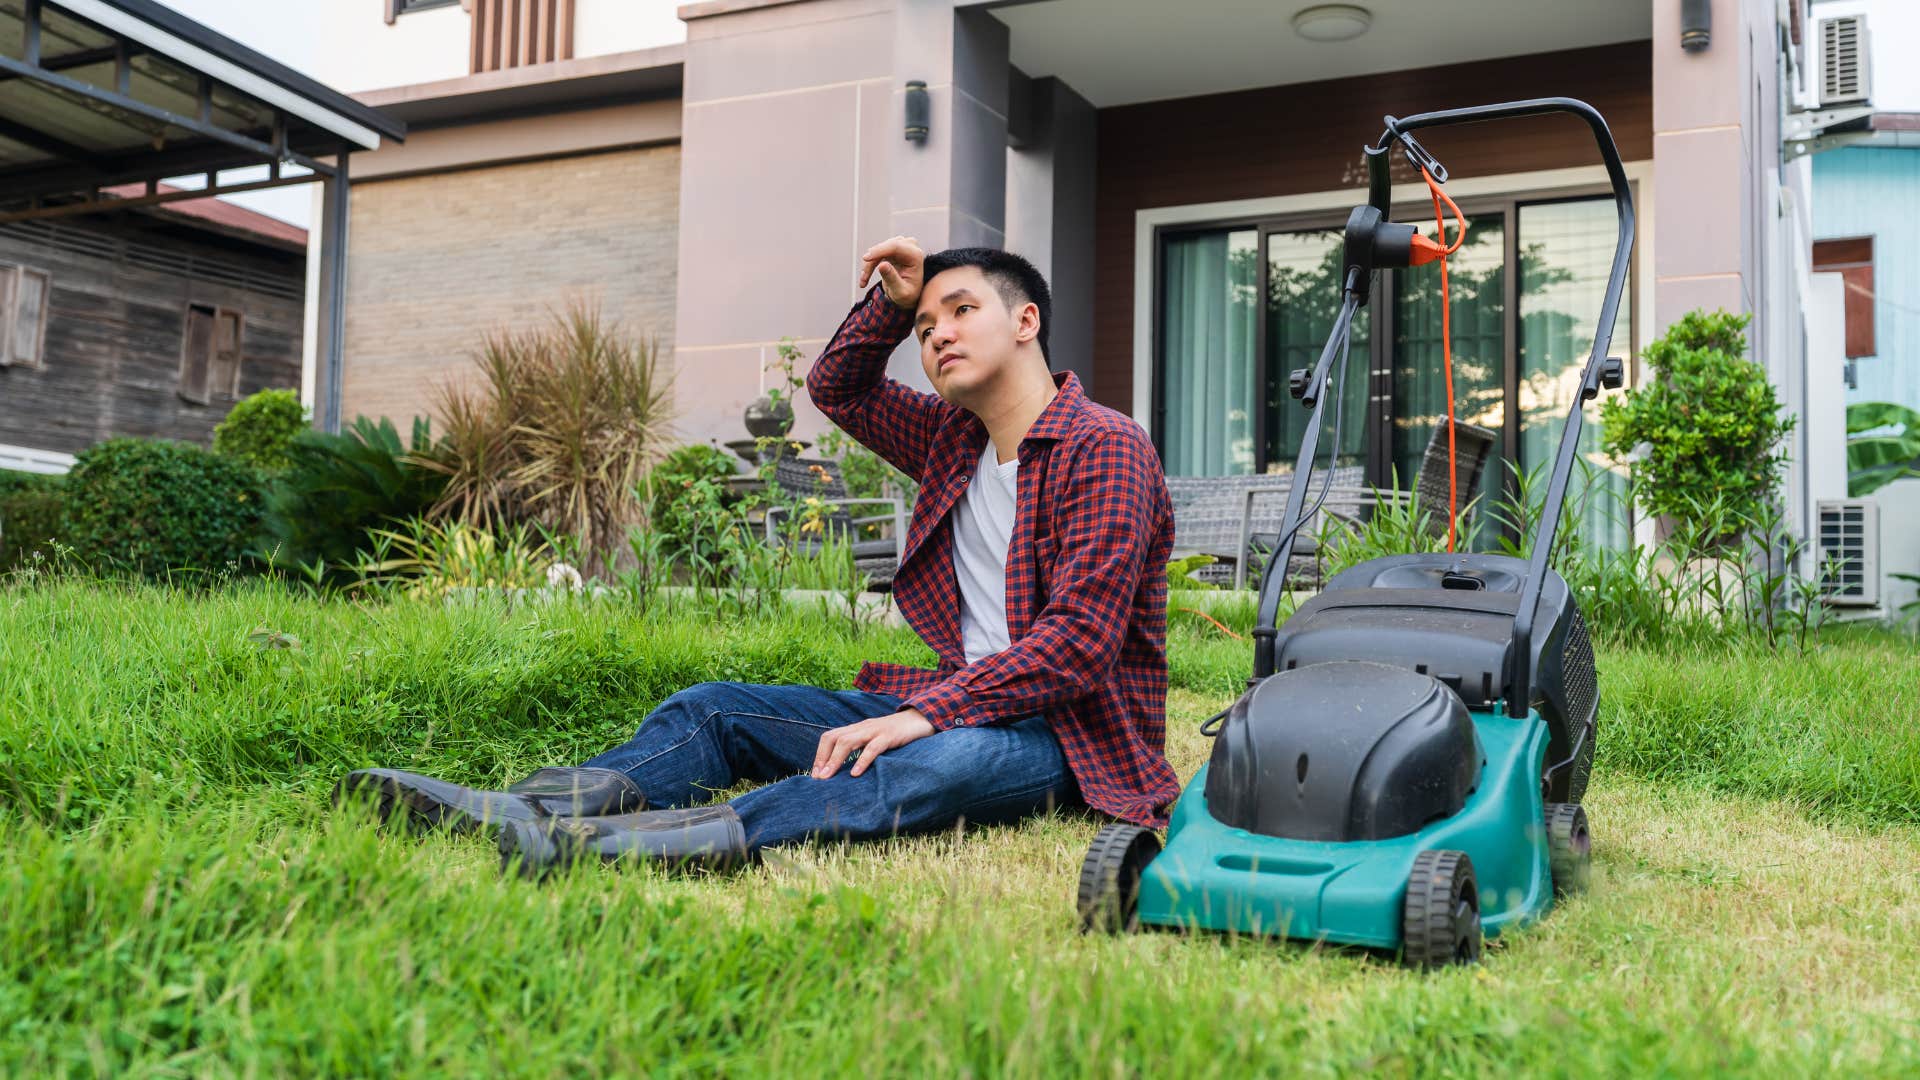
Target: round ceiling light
pixel 1332 22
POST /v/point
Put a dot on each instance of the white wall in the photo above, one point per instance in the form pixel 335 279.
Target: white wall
pixel 1893 32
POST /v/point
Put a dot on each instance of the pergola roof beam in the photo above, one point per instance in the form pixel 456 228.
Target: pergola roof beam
pixel 93 204
pixel 45 143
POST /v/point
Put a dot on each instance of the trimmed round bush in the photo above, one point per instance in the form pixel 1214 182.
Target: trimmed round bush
pixel 30 508
pixel 155 506
pixel 260 428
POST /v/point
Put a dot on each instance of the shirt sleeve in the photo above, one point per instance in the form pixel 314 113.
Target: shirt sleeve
pixel 849 384
pixel 1104 533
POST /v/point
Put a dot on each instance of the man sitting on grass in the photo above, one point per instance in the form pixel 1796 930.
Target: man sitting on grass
pixel 1035 567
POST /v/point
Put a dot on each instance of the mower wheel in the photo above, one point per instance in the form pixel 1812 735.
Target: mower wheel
pixel 1441 924
pixel 1569 848
pixel 1110 878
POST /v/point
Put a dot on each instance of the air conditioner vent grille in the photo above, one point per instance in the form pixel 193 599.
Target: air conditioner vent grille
pixel 1843 60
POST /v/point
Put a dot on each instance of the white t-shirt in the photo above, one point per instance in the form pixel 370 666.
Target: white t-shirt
pixel 982 530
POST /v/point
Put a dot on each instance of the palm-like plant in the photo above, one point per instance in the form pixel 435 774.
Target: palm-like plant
pixel 558 432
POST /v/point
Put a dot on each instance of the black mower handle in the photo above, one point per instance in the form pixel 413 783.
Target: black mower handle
pixel 1519 688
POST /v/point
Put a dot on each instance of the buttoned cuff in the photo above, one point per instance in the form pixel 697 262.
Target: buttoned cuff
pixel 947 705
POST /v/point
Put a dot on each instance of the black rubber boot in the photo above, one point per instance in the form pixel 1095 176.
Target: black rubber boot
pixel 706 837
pixel 421 802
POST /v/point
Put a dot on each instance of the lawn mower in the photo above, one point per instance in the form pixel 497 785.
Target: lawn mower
pixel 1405 769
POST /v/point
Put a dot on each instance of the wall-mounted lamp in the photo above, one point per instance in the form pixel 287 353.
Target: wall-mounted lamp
pixel 919 111
pixel 1696 24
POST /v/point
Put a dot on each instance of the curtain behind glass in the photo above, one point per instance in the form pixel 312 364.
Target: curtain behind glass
pixel 1476 288
pixel 1566 249
pixel 1208 370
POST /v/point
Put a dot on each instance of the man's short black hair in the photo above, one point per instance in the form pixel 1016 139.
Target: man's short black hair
pixel 1013 277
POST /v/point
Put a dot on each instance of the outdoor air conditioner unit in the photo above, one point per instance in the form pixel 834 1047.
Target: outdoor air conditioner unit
pixel 1848 551
pixel 1844 72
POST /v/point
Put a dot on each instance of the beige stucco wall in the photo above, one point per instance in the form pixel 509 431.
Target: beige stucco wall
pixel 436 261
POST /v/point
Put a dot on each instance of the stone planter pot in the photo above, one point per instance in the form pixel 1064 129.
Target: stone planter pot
pixel 768 419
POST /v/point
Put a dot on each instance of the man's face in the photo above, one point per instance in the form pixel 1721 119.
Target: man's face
pixel 968 338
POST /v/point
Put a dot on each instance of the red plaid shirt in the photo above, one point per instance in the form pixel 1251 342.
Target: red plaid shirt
pixel 1086 567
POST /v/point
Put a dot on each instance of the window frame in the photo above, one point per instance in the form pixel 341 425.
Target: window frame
pixel 230 386
pixel 397 8
pixel 1380 403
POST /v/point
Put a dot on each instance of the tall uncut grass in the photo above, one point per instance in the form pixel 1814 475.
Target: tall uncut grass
pixel 181 899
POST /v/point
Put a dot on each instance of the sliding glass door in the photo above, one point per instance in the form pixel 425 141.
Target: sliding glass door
pixel 1243 304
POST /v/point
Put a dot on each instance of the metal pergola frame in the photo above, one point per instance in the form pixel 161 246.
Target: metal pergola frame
pixel 307 124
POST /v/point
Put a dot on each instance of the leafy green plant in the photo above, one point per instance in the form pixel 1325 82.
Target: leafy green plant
pixel 1709 423
pixel 260 430
pixel 558 432
pixel 1396 526
pixel 1180 572
pixel 31 506
pixel 689 506
pixel 157 507
pixel 422 559
pixel 1877 456
pixel 337 488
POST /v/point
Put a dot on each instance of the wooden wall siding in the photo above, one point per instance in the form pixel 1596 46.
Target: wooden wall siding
pixel 1285 140
pixel 516 33
pixel 113 349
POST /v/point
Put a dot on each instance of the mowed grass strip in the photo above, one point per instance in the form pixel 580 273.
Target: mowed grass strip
pixel 182 900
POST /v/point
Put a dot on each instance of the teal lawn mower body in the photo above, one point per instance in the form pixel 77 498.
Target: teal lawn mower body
pixel 1406 768
pixel 1215 877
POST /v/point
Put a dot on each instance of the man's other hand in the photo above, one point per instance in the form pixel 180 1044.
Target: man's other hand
pixel 901 265
pixel 870 737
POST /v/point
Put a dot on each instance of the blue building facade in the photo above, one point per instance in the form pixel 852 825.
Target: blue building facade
pixel 1874 191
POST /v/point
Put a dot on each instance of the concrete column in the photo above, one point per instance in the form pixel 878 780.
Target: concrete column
pixel 789 119
pixel 1702 183
pixel 1052 159
pixel 951 190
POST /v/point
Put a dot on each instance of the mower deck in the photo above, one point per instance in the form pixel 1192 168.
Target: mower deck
pixel 1215 877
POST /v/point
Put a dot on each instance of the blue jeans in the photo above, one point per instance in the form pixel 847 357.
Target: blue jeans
pixel 712 736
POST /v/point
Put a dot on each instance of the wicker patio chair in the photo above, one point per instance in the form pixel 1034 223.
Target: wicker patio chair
pixel 802 478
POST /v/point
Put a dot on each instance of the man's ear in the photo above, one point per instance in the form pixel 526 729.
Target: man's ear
pixel 1027 322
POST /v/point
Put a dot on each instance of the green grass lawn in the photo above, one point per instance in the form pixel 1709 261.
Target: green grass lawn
pixel 177 897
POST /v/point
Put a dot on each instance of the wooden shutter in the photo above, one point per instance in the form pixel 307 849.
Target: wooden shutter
pixel 518 33
pixel 223 375
pixel 23 315
pixel 196 353
pixel 27 339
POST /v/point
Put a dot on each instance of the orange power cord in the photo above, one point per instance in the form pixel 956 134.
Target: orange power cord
pixel 1426 251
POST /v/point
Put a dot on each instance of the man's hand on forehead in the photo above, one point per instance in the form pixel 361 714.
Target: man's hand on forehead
pixel 901 266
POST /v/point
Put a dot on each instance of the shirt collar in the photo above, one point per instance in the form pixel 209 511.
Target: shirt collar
pixel 1056 419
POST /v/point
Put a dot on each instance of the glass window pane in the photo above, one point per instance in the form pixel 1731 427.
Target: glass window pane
pixel 1207 356
pixel 1566 250
pixel 1476 289
pixel 1303 296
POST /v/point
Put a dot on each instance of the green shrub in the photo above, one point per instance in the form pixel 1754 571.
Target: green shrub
pixel 154 506
pixel 338 487
pixel 31 505
pixel 260 429
pixel 1709 424
pixel 686 494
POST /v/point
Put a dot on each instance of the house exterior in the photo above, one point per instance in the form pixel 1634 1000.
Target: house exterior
pixel 1178 171
pixel 151 322
pixel 1867 237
